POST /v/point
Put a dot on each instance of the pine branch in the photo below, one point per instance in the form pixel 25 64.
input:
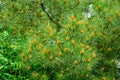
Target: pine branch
pixel 48 15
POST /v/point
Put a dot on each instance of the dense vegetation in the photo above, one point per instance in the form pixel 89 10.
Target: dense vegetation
pixel 59 39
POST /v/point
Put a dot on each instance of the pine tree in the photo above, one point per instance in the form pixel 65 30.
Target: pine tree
pixel 59 39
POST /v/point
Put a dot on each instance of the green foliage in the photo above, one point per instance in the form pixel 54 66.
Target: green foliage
pixel 59 39
pixel 9 54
